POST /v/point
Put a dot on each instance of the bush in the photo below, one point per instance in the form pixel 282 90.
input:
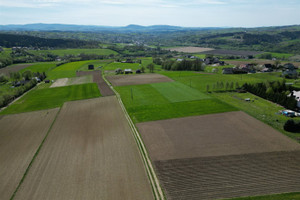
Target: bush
pixel 292 126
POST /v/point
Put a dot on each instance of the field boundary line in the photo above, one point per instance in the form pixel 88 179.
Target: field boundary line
pixel 35 155
pixel 157 190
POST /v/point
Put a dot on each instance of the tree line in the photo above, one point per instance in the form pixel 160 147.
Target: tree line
pixel 276 92
pixel 184 65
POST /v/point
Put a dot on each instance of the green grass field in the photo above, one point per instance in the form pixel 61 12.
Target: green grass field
pixel 67 70
pixel 40 67
pixel 284 56
pixel 115 65
pixel 259 108
pixel 45 98
pixel 177 92
pixel 168 100
pixel 287 196
pixel 200 81
pixel 62 52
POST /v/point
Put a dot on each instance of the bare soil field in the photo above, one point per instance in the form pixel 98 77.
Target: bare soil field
pixel 212 135
pixel 221 156
pixel 258 61
pixel 90 153
pixel 15 68
pixel 97 78
pixel 60 82
pixel 72 81
pixel 20 138
pixel 190 49
pixel 138 79
pixel 230 176
pixel 231 52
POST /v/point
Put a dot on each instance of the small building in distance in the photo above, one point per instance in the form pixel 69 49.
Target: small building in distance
pixel 128 71
pixel 91 67
pixel 289 71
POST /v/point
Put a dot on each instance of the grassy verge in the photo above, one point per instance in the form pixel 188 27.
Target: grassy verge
pixel 168 100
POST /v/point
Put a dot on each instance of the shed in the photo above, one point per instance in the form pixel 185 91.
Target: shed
pixel 128 71
pixel 91 67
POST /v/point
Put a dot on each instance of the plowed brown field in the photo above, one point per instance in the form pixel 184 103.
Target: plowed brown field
pixel 221 156
pixel 137 79
pixel 90 153
pixel 15 68
pixel 20 138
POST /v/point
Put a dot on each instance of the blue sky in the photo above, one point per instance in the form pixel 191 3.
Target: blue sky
pixel 192 13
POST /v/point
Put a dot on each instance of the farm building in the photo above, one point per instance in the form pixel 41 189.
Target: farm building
pixel 296 94
pixel 128 71
pixel 91 67
pixel 289 71
pixel 119 71
pixel 227 71
pixel 138 71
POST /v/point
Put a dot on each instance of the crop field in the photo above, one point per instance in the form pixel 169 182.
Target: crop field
pixel 162 101
pixel 63 52
pixel 119 80
pixel 67 70
pixel 221 155
pixel 90 153
pixel 190 49
pixel 20 138
pixel 259 108
pixel 13 68
pixel 46 98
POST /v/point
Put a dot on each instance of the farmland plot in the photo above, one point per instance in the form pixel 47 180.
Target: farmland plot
pixel 13 68
pixel 221 156
pixel 137 79
pixel 20 138
pixel 90 153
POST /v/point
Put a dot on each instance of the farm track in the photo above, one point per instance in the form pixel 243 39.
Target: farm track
pixel 20 138
pixel 230 176
pixel 89 154
pixel 105 90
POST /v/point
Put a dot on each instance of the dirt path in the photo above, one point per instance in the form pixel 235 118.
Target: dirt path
pixel 89 154
pixel 20 138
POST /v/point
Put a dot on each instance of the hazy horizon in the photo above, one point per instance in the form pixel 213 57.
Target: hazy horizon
pixel 193 13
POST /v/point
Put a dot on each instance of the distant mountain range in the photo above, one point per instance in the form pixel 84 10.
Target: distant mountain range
pixel 92 28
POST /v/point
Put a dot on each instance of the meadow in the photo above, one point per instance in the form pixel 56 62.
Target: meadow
pixel 40 67
pixel 158 101
pixel 45 98
pixel 67 70
pixel 201 80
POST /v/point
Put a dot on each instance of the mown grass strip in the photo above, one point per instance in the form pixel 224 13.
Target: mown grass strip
pixel 34 157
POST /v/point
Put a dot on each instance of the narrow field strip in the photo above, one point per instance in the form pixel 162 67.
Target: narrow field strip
pixel 156 187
